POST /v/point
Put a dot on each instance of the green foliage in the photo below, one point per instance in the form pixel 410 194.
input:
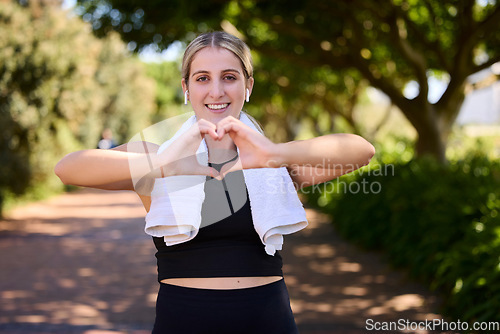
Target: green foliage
pixel 385 43
pixel 439 222
pixel 303 103
pixel 59 88
pixel 151 22
pixel 169 95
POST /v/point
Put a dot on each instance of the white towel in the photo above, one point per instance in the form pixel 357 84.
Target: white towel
pixel 176 201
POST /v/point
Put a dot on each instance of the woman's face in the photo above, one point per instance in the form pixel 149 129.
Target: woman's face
pixel 217 84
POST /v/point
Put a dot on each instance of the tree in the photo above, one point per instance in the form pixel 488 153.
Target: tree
pixel 324 100
pixel 169 94
pixel 59 87
pixel 388 43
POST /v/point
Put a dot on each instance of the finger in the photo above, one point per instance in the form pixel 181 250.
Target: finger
pixel 208 171
pixel 231 167
pixel 206 127
pixel 224 126
pixel 234 128
pixel 220 132
pixel 209 131
pixel 230 120
pixel 205 122
pixel 197 169
pixel 189 165
pixel 226 129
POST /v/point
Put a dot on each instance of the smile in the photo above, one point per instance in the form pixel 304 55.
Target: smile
pixel 217 106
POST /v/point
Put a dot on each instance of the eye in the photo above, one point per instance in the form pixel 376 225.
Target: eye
pixel 229 77
pixel 202 78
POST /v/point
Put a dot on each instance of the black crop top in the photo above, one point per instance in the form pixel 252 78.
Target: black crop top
pixel 226 245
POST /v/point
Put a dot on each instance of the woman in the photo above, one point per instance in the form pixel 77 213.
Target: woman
pixel 221 280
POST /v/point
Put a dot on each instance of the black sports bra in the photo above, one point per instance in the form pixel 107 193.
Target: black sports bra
pixel 226 245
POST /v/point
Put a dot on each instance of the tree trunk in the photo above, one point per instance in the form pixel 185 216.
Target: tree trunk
pixel 430 142
pixel 424 118
pixel 448 109
pixel 433 123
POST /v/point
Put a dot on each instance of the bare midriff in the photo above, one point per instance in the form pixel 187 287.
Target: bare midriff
pixel 222 283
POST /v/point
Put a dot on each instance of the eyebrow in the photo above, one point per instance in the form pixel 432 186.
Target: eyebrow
pixel 223 71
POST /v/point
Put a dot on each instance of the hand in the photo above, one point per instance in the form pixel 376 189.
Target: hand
pixel 180 157
pixel 255 150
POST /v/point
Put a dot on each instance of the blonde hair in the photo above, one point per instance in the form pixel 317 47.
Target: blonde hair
pixel 218 39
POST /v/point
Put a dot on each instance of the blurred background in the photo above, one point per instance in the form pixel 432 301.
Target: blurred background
pixel 420 79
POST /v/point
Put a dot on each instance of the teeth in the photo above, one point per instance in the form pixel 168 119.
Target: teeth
pixel 217 106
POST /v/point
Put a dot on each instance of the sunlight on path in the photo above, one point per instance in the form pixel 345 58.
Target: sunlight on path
pixel 77 263
pixel 81 263
pixel 333 285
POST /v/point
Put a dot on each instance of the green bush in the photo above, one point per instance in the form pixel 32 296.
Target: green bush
pixel 439 222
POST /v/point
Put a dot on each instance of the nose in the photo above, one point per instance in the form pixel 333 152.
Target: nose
pixel 217 89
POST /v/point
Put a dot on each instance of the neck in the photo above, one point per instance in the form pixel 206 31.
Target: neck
pixel 220 151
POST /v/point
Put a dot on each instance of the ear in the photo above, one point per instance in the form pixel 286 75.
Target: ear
pixel 184 85
pixel 250 82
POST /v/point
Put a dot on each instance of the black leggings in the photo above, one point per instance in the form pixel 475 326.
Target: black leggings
pixel 257 310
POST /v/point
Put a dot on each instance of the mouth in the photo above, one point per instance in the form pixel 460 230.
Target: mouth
pixel 217 107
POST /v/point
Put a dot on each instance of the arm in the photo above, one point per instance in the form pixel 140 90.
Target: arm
pixel 134 166
pixel 309 161
pixel 109 169
pixel 324 158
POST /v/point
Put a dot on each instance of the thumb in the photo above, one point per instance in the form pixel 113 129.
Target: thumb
pixel 231 167
pixel 205 170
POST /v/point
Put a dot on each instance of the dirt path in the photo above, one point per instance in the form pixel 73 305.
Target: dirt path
pixel 81 263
